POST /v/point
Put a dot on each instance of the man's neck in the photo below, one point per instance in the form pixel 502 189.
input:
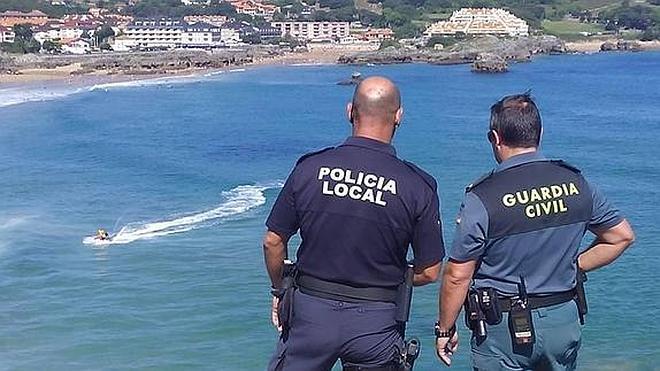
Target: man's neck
pixel 380 133
pixel 508 152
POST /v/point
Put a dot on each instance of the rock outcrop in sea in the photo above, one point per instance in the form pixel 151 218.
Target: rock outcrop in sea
pixel 489 63
pixel 510 49
pixel 621 45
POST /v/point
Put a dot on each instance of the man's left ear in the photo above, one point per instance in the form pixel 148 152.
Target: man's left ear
pixel 398 116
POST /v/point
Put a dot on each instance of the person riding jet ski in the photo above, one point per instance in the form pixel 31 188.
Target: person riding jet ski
pixel 102 234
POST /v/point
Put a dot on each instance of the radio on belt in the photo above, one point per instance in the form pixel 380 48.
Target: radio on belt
pixel 520 317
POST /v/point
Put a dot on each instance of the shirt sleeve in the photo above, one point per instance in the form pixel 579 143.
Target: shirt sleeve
pixel 428 246
pixel 283 218
pixel 604 215
pixel 471 230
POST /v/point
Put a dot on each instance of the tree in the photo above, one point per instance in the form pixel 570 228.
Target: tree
pixel 51 47
pixel 104 33
pixel 24 42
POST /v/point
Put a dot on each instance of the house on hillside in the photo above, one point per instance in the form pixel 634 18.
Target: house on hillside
pixel 12 17
pixel 77 46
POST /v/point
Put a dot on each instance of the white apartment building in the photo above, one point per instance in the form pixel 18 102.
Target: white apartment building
pixel 480 21
pixel 313 31
pixel 169 33
pixel 229 37
pixel 6 35
pixel 60 34
pixel 164 33
pixel 200 35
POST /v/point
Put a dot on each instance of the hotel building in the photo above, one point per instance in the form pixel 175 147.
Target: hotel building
pixel 313 31
pixel 480 21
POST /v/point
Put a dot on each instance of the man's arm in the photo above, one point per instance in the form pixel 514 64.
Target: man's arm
pixel 275 248
pixel 427 243
pixel 424 276
pixel 608 245
pixel 468 247
pixel 613 234
pixel 455 283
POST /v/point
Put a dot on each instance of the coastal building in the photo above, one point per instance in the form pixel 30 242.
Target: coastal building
pixel 169 33
pixel 480 21
pixel 123 44
pixel 6 35
pixel 229 37
pixel 63 32
pixel 163 33
pixel 12 17
pixel 196 2
pixel 216 20
pixel 77 46
pixel 200 35
pixel 255 8
pixel 313 31
pixel 379 34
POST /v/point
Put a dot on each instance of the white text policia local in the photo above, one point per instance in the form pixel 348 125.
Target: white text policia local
pixel 358 186
pixel 544 200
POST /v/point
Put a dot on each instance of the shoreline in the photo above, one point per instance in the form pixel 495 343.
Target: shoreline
pixel 593 46
pixel 71 74
pixel 68 77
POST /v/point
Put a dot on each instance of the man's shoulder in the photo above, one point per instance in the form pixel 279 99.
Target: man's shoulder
pixel 479 181
pixel 425 177
pixel 310 155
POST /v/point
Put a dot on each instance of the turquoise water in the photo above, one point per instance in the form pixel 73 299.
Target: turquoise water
pixel 186 170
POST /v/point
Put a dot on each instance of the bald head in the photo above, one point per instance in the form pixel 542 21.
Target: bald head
pixel 376 101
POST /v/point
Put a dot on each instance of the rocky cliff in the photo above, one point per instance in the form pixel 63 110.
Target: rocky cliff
pixel 509 49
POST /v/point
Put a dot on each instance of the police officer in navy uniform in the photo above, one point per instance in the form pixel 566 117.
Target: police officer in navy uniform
pixel 358 208
pixel 517 238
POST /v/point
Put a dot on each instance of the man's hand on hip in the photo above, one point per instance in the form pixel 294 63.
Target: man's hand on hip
pixel 445 347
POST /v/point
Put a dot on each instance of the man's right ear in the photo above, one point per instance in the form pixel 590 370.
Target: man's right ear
pixel 349 112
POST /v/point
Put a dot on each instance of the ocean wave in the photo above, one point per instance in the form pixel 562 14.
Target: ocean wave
pixel 14 96
pixel 53 91
pixel 236 202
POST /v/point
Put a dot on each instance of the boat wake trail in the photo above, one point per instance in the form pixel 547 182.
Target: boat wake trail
pixel 236 201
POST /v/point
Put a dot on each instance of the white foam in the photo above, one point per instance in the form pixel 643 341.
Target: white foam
pixel 20 95
pixel 13 96
pixel 236 201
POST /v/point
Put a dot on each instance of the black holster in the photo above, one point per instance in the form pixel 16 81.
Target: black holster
pixel 404 296
pixel 581 296
pixel 481 308
pixel 285 308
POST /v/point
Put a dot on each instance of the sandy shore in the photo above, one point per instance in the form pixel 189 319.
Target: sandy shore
pixel 593 46
pixel 68 74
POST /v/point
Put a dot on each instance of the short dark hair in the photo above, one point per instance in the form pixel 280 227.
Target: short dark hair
pixel 517 121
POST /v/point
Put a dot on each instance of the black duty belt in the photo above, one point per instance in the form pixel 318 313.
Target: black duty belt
pixel 535 302
pixel 338 291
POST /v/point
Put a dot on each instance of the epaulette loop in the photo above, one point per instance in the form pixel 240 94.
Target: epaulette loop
pixel 565 164
pixel 478 181
pixel 308 155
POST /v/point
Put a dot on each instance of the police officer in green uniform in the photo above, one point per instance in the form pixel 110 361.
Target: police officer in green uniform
pixel 515 257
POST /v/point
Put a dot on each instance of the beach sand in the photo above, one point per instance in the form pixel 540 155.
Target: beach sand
pixel 68 74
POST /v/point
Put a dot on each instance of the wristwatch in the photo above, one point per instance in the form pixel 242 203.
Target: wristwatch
pixel 444 334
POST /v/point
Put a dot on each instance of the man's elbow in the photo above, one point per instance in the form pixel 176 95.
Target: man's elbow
pixel 458 274
pixel 272 241
pixel 626 234
pixel 427 275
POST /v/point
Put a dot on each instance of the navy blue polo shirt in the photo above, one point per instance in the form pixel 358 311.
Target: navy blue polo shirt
pixel 545 256
pixel 358 208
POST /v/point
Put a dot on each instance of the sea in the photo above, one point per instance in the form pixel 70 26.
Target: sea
pixel 184 171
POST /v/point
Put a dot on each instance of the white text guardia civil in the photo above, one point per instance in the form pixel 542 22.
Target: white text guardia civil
pixel 356 185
